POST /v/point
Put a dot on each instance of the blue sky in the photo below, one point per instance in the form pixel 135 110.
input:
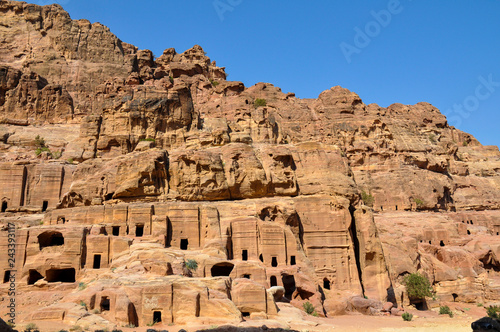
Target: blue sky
pixel 443 52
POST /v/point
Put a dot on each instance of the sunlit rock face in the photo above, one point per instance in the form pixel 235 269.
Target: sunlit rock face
pixel 153 189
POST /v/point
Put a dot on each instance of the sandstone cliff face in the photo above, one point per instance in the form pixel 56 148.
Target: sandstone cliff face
pixel 147 164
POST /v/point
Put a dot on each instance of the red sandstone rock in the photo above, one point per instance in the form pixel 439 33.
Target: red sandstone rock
pixel 164 161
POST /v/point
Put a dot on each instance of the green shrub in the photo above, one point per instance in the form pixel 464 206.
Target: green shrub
pixel 445 310
pixel 260 102
pixel 417 286
pixel 191 264
pixel 367 199
pixel 308 308
pixel 70 160
pixel 171 79
pixel 147 140
pixel 407 316
pixel 432 138
pixel 39 151
pixel 56 154
pixel 81 286
pixel 493 311
pixel 31 327
pixel 39 142
pixel 214 83
pixel 83 304
pixel 465 143
pixel 419 202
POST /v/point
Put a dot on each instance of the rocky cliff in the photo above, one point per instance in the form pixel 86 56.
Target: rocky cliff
pixel 120 170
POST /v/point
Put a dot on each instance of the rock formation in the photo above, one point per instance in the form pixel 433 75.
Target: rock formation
pixel 118 169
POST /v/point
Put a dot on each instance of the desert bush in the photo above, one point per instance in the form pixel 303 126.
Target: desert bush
pixel 368 199
pixel 445 310
pixel 419 202
pixel 40 142
pixel 407 316
pixel 308 308
pixel 260 102
pixel 31 327
pixel 56 154
pixel 493 311
pixel 83 304
pixel 214 83
pixel 39 151
pixel 417 286
pixel 191 264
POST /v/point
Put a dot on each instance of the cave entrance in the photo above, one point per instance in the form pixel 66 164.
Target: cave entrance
pixel 45 205
pixel 454 297
pixel 441 243
pixel 105 303
pixel 274 261
pixel 60 275
pixel 289 284
pixel 184 244
pixel 133 320
pixel 261 258
pixel 273 281
pixel 157 317
pixel 4 206
pixel 33 277
pixel 292 260
pixel 97 261
pixel 420 305
pixel 116 230
pixel 6 276
pixel 326 283
pixel 139 230
pixel 50 239
pixel 244 255
pixel 222 269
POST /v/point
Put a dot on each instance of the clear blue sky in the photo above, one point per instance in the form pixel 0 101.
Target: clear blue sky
pixel 442 52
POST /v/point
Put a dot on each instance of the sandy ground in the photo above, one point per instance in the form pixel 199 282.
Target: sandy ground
pixel 294 319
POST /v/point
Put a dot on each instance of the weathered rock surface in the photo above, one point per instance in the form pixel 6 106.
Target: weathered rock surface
pixel 120 170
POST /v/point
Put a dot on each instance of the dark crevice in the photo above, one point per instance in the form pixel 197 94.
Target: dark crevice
pixel 355 240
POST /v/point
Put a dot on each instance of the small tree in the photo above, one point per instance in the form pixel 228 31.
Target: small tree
pixel 189 266
pixel 417 286
pixel 308 308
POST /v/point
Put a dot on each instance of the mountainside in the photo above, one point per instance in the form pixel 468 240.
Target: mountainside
pixel 120 170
